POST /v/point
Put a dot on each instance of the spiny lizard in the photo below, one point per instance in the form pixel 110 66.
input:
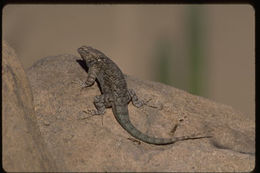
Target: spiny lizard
pixel 115 94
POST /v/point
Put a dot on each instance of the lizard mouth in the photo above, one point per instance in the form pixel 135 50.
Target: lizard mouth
pixel 82 53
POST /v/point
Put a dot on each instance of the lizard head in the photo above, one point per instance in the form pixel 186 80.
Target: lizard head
pixel 89 54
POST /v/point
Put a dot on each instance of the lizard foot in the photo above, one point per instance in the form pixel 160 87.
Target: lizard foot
pixel 153 104
pixel 134 140
pixel 135 100
pixel 94 112
pixel 90 113
pixel 81 83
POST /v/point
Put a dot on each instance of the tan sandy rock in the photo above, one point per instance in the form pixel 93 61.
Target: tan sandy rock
pixel 99 143
pixel 23 146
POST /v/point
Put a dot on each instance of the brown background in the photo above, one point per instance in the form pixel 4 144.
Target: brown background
pixel 130 35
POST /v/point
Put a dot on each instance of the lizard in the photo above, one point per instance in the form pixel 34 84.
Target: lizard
pixel 115 94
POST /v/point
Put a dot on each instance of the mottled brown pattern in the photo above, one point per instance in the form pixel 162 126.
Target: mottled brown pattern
pixel 115 94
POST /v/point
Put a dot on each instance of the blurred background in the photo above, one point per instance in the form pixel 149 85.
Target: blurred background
pixel 207 50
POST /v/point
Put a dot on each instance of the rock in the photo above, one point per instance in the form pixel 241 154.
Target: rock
pixel 99 143
pixel 23 147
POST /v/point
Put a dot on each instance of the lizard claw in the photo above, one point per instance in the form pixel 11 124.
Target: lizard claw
pixel 146 101
pixel 89 112
pixel 82 116
pixel 93 112
pixel 80 83
pixel 153 104
pixel 138 103
pixel 83 84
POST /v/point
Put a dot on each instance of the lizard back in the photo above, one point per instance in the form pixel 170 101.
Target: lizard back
pixel 114 89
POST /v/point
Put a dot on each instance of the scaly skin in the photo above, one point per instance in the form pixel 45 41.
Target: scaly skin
pixel 115 94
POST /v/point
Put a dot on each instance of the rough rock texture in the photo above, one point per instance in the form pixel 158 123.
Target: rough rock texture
pixel 99 143
pixel 23 146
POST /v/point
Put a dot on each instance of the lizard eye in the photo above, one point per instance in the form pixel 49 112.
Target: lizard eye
pixel 80 49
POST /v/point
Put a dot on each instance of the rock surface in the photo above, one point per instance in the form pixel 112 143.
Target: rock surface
pixel 99 143
pixel 23 146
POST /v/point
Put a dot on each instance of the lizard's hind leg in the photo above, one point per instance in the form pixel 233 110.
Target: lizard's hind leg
pixel 135 100
pixel 101 102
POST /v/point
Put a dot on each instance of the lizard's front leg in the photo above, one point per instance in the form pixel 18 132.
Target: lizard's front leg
pixel 99 101
pixel 92 75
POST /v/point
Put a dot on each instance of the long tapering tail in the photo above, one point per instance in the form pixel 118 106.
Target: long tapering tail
pixel 122 116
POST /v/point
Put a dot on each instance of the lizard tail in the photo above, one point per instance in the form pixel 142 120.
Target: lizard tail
pixel 122 116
